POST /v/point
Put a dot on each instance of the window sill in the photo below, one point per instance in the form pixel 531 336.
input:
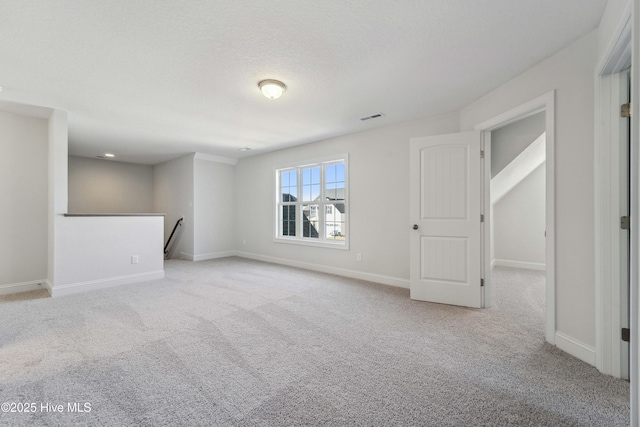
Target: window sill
pixel 344 245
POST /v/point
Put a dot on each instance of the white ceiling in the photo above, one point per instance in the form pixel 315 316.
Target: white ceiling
pixel 153 79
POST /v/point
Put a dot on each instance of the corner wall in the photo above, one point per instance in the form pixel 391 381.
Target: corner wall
pixel 23 188
pixel 173 195
pixel 214 216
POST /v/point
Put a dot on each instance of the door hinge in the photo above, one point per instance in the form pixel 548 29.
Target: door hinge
pixel 626 334
pixel 481 218
pixel 625 110
pixel 481 282
pixel 482 154
pixel 625 223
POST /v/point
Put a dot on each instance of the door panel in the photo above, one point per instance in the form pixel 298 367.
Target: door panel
pixel 445 206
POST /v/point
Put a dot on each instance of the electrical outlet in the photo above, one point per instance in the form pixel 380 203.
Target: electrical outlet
pixel 359 257
pixel 134 259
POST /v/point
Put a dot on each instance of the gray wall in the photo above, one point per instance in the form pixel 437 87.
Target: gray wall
pixel 214 217
pixel 24 192
pixel 519 224
pixel 107 186
pixel 509 141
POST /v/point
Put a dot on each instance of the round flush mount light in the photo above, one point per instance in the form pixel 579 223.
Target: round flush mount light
pixel 272 89
pixel 109 155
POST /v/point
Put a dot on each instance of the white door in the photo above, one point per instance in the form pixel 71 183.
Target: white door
pixel 445 191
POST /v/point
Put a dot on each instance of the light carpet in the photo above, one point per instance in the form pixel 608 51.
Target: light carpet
pixel 234 342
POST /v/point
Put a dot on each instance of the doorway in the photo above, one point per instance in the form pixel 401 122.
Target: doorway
pixel 450 215
pixel 517 159
pixel 545 106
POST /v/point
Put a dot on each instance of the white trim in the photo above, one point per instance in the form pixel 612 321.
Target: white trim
pixel 14 288
pixel 529 108
pixel 49 286
pixel 340 244
pixel 300 240
pixel 91 285
pixel 370 277
pixel 539 266
pixel 576 348
pixel 634 316
pixel 203 257
pixel 616 49
pixel 606 197
pixel 544 103
pixel 217 159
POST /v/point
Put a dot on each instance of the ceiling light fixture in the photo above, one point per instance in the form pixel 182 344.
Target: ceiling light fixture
pixel 109 155
pixel 272 89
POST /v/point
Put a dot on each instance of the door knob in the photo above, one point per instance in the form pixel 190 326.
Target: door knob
pixel 415 226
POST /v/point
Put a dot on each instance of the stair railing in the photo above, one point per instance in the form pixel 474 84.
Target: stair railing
pixel 175 227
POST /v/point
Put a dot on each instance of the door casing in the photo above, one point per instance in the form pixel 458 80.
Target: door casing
pixel 544 103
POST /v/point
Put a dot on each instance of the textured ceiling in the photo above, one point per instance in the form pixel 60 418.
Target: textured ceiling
pixel 153 79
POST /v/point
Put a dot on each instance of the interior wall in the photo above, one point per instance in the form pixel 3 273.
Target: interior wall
pixel 173 191
pixel 58 200
pixel 379 202
pixel 214 216
pixel 24 193
pixel 519 224
pixel 508 142
pixel 95 252
pixel 570 74
pixel 107 186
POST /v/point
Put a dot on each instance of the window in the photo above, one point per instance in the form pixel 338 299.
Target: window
pixel 312 203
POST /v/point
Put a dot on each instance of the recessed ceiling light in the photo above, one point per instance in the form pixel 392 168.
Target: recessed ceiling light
pixel 272 89
pixel 245 149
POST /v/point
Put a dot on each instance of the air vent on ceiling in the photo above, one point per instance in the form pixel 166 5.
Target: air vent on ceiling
pixel 374 116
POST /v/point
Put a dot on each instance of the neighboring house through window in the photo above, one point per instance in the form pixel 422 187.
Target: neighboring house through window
pixel 312 203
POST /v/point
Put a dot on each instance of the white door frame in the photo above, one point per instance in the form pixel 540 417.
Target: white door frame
pixel 620 50
pixel 544 103
pixel 616 58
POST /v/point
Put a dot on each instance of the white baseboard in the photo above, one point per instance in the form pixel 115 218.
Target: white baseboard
pixel 14 288
pixel 370 277
pixel 91 285
pixel 576 348
pixel 203 257
pixel 519 264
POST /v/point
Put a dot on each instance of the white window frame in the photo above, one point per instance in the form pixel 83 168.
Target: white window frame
pixel 299 239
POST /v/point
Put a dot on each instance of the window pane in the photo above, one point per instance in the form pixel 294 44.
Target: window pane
pixel 310 221
pixel 310 184
pixel 289 185
pixel 288 221
pixel 334 221
pixel 334 182
pixel 288 194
